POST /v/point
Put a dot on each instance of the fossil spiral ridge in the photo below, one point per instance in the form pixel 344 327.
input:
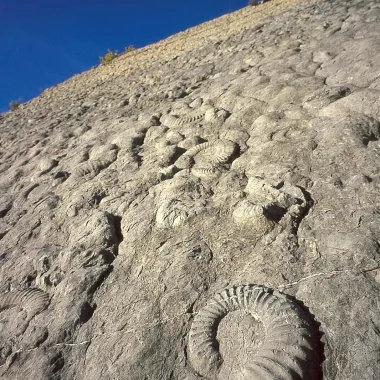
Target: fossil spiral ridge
pixel 173 121
pixel 32 300
pixel 209 158
pixel 289 350
pixel 91 167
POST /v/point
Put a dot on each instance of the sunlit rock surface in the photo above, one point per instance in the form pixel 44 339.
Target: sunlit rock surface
pixel 242 154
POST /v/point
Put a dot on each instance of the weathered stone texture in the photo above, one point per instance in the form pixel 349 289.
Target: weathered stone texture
pixel 244 151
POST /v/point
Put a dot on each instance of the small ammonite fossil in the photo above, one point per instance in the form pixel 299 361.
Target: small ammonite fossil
pixel 290 349
pixel 31 300
pixel 208 159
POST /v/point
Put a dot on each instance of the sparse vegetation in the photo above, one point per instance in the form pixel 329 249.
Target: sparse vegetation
pixel 14 104
pixel 111 55
pixel 129 49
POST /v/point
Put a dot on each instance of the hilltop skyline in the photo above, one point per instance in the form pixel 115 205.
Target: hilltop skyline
pixel 44 44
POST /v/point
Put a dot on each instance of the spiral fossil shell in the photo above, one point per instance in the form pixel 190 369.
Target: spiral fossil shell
pixel 288 351
pixel 206 172
pixel 247 213
pixel 207 159
pixel 31 300
pixel 215 152
pixel 173 121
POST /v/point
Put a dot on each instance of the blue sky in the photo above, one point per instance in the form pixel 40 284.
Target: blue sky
pixel 44 42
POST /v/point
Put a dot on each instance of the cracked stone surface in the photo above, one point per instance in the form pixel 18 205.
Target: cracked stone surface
pixel 245 150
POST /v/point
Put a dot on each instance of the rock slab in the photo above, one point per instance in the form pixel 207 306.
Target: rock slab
pixel 204 208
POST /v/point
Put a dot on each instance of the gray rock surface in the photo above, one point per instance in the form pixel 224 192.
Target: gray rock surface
pixel 242 154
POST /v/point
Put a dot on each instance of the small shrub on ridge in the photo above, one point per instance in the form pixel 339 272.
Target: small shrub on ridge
pixel 129 49
pixel 14 104
pixel 111 55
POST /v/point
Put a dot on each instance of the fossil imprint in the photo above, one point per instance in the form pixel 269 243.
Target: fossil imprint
pixel 289 350
pixel 247 213
pixel 207 114
pixel 32 300
pixel 173 121
pixel 207 159
pixel 91 167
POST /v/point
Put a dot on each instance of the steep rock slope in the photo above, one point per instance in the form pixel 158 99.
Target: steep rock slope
pixel 204 208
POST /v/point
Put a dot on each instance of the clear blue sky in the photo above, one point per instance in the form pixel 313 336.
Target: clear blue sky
pixel 44 42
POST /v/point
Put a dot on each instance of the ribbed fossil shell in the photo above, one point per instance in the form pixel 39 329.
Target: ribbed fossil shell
pixel 173 121
pixel 289 350
pixel 91 167
pixel 247 210
pixel 198 148
pixel 218 152
pixel 207 158
pixel 247 213
pixel 205 172
pixel 31 300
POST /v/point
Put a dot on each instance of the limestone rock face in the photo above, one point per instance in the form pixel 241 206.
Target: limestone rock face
pixel 207 207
